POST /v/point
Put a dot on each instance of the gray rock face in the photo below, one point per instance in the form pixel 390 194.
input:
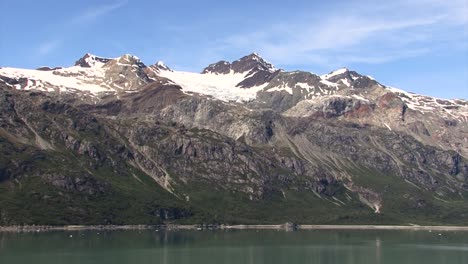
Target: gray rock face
pixel 257 78
pixel 126 73
pixel 301 85
pixel 331 107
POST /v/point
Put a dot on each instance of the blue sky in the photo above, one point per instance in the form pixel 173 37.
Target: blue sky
pixel 421 46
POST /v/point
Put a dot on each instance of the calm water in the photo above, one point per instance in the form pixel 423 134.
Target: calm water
pixel 360 247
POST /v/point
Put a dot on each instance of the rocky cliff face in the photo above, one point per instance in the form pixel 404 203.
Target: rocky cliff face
pixel 116 141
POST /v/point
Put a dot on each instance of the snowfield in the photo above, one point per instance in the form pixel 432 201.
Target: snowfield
pixel 220 86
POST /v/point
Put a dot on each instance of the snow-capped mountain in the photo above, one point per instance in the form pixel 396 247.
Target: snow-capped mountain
pixel 107 129
pixel 90 75
pixel 254 81
pixel 241 80
pixel 238 81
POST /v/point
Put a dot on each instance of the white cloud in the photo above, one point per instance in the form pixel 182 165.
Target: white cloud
pixel 365 33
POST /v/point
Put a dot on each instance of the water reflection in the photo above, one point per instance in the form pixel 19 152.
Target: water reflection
pixel 269 246
pixel 377 250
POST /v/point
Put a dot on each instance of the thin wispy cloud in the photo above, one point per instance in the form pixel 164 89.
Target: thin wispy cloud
pixel 47 47
pixel 377 58
pixel 85 17
pixel 368 34
pixel 96 12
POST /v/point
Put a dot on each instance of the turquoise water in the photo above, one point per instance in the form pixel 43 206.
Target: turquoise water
pixel 246 246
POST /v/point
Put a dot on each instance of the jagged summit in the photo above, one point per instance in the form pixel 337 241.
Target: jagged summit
pixel 129 60
pixel 160 63
pixel 89 60
pixel 160 66
pixel 250 64
pixel 220 67
pixel 349 78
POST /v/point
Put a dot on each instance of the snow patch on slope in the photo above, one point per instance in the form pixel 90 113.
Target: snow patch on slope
pixel 71 78
pixel 328 83
pixel 303 85
pixel 457 109
pixel 220 86
pixel 281 88
pixel 334 73
pixel 345 82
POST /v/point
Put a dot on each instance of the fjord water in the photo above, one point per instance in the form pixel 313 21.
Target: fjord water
pixel 246 246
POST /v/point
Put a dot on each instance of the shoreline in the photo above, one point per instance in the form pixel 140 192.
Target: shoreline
pixel 285 227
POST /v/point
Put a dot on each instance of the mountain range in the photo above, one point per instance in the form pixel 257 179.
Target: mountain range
pixel 116 141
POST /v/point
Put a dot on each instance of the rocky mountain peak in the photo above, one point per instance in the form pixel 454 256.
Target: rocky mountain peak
pixel 220 67
pixel 160 66
pixel 129 60
pixel 252 63
pixel 89 60
pixel 349 78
